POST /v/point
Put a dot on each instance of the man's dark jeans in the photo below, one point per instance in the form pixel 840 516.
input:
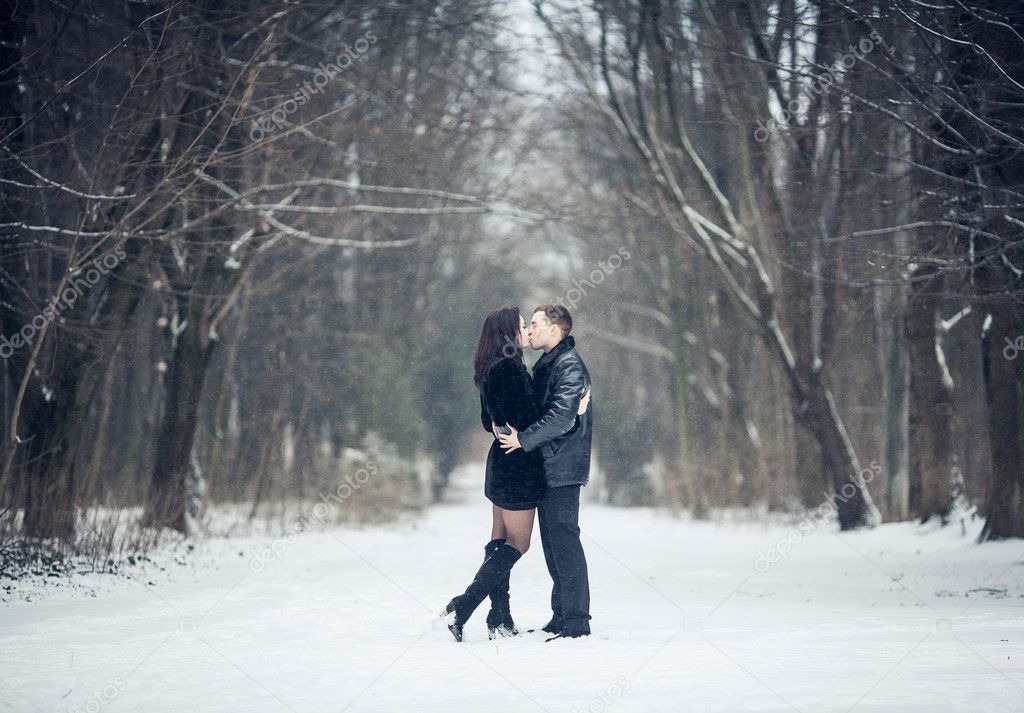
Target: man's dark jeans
pixel 559 516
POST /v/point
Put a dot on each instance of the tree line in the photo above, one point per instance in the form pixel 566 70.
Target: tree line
pixel 824 198
pixel 244 244
pixel 276 193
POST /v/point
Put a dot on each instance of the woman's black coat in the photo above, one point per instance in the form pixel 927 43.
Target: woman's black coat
pixel 514 481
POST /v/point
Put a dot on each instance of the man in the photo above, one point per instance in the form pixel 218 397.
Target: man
pixel 559 380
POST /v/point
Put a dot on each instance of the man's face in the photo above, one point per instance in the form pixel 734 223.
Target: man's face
pixel 542 334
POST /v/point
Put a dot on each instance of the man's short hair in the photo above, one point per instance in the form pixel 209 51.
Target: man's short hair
pixel 557 314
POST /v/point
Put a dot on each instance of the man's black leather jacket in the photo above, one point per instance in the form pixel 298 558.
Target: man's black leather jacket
pixel 559 380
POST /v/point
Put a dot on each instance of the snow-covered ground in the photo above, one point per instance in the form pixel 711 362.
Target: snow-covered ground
pixel 686 617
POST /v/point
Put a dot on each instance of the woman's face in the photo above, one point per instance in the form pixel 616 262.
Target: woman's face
pixel 524 340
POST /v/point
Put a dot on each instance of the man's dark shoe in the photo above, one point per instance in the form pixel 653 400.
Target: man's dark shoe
pixel 552 627
pixel 572 631
pixel 568 635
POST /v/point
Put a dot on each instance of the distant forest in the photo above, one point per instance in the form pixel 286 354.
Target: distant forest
pixel 246 248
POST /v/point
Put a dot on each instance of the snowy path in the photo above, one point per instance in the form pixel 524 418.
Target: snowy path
pixel 344 621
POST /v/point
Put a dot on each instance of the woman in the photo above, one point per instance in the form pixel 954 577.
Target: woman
pixel 514 482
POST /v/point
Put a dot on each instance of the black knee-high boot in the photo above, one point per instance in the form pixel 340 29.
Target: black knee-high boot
pixel 494 569
pixel 499 618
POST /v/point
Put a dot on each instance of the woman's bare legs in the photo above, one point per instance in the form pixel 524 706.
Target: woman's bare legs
pixel 497 523
pixel 518 526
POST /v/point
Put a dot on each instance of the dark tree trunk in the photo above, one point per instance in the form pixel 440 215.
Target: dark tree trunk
pixel 1004 387
pixel 47 468
pixel 849 492
pixel 992 170
pixel 933 458
pixel 167 504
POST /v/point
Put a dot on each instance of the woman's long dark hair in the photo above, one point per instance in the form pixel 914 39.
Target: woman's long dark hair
pixel 499 339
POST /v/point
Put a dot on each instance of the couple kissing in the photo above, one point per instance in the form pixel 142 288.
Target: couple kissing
pixel 537 464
